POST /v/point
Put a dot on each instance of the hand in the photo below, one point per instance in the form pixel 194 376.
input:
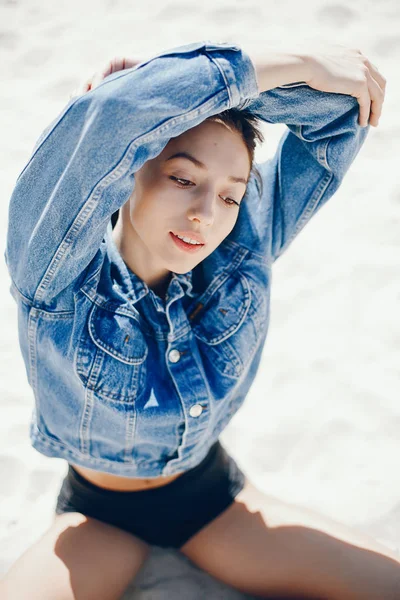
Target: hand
pixel 348 71
pixel 114 65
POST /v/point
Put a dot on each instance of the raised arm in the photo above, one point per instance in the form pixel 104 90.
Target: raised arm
pixel 313 155
pixel 82 167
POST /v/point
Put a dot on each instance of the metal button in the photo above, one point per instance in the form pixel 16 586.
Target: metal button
pixel 174 356
pixel 195 410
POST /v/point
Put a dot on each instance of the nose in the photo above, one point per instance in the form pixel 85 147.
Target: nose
pixel 203 208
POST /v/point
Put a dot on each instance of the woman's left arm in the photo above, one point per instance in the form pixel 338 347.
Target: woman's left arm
pixel 323 138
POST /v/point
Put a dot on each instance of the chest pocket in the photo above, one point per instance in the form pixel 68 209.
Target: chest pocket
pixel 224 326
pixel 111 355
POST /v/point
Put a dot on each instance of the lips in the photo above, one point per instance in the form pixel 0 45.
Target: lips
pixel 192 235
pixel 184 245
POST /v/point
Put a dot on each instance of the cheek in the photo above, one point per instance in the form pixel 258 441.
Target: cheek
pixel 149 211
pixel 221 228
pixel 138 212
pixel 228 221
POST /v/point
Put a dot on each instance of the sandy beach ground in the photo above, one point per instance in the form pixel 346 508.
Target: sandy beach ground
pixel 321 425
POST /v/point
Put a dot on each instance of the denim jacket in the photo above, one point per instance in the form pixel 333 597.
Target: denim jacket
pixel 125 381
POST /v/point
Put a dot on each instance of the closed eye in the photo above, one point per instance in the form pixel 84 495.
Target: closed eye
pixel 185 183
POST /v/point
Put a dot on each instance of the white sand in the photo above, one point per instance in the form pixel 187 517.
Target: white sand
pixel 321 426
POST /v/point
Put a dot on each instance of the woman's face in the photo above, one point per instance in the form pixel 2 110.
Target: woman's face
pixel 199 196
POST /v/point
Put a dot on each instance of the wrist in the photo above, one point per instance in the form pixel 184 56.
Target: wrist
pixel 280 68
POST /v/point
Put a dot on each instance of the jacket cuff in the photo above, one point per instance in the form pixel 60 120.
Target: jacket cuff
pixel 237 70
pixel 234 64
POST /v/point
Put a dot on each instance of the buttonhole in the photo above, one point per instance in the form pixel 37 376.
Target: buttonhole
pixel 196 310
pixel 127 338
pixel 223 310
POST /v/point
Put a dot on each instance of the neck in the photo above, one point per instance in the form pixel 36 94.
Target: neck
pixel 137 257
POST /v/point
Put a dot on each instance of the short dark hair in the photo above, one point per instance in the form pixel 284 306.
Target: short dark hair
pixel 248 125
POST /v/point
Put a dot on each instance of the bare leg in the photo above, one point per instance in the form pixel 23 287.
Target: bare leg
pixel 265 547
pixel 78 558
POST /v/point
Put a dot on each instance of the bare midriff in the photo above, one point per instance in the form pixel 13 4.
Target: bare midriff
pixel 125 484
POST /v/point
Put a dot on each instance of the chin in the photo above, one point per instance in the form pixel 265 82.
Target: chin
pixel 182 271
pixel 183 267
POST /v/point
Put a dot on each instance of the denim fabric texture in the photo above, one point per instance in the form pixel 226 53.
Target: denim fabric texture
pixel 115 369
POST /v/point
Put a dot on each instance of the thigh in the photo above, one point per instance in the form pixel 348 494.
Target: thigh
pixel 78 558
pixel 266 547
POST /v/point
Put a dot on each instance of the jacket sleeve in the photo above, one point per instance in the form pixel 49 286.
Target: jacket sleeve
pixel 321 141
pixel 82 167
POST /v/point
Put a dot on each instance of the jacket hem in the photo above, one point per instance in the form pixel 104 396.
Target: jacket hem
pixel 56 449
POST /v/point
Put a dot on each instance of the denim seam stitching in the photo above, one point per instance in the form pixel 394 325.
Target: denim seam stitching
pixel 32 335
pixel 130 429
pixel 88 406
pixel 109 349
pixel 215 61
pixel 321 146
pixel 45 314
pixel 45 440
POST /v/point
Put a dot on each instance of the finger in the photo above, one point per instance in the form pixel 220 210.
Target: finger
pixel 379 78
pixel 115 64
pixel 364 102
pixel 120 63
pixel 85 86
pixel 96 79
pixel 131 62
pixel 377 97
pixel 80 89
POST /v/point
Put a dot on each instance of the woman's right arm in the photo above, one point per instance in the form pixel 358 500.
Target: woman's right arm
pixel 82 168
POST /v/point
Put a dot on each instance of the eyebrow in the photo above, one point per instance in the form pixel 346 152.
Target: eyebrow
pixel 201 165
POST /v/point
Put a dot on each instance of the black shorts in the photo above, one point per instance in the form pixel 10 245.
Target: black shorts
pixel 166 516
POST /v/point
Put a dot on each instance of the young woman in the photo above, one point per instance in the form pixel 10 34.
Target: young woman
pixel 142 340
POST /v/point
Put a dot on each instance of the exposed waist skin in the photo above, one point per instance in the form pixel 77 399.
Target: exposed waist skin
pixel 117 483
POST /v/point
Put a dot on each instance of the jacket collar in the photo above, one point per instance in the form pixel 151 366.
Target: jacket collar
pixel 134 287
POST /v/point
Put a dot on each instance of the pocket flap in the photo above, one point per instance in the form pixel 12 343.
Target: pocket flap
pixel 117 334
pixel 225 311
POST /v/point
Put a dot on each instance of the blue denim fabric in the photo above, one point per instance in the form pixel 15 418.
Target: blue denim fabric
pixel 96 341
